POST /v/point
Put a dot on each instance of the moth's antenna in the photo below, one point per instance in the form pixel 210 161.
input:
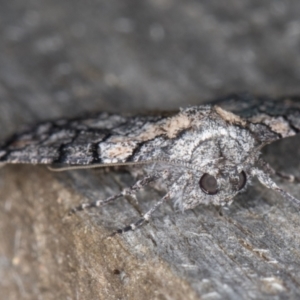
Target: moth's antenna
pixel 266 180
pixel 59 168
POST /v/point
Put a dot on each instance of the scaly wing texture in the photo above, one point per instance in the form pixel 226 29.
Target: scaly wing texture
pixel 103 139
pixel 269 119
pixel 111 138
pixel 70 141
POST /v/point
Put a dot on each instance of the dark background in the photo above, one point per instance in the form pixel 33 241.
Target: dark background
pixel 61 58
pixel 67 58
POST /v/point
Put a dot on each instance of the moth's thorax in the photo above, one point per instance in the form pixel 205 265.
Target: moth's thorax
pixel 213 143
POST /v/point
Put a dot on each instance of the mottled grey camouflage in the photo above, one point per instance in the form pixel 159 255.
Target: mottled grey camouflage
pixel 175 150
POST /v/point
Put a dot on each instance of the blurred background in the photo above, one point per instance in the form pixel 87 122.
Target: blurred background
pixel 67 58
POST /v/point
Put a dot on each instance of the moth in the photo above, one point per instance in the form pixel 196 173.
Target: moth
pixel 199 155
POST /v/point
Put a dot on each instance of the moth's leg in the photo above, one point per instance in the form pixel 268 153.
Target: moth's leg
pixel 144 219
pixel 266 180
pixel 289 177
pixel 125 192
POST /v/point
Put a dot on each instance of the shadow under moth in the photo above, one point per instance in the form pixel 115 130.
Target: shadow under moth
pixel 200 155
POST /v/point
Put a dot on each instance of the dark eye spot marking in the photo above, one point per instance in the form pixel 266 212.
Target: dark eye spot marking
pixel 208 184
pixel 242 180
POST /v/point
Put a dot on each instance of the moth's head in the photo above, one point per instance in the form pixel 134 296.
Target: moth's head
pixel 217 186
pixel 223 185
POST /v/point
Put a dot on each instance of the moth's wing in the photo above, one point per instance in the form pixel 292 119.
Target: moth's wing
pixel 269 119
pixel 72 142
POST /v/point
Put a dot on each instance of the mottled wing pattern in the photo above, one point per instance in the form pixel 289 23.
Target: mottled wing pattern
pixel 118 139
pixel 281 117
pixel 74 142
